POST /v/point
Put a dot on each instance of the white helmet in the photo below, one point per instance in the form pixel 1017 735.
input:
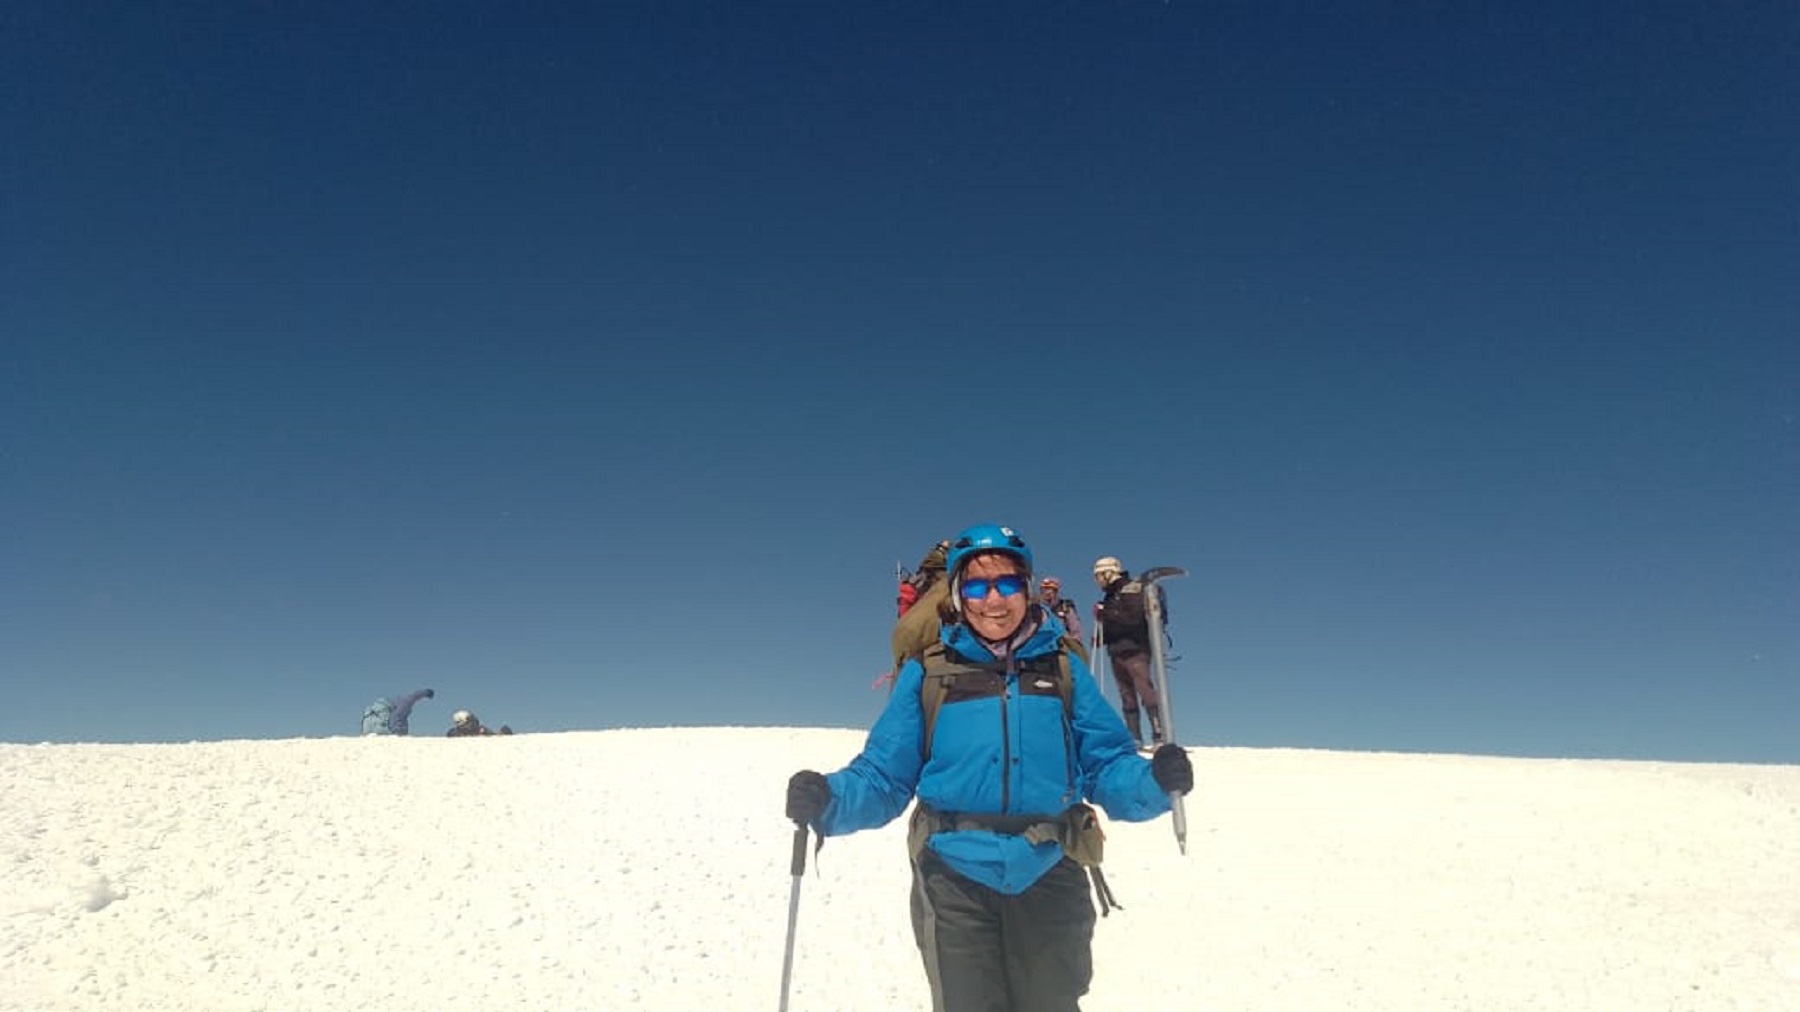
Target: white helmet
pixel 461 717
pixel 1107 564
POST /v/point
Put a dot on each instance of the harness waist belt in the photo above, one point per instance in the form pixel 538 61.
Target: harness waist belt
pixel 1011 825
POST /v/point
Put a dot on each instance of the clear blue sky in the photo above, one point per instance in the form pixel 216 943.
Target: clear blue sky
pixel 595 366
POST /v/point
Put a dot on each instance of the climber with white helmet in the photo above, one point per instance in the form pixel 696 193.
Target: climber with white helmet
pixel 1125 629
pixel 464 724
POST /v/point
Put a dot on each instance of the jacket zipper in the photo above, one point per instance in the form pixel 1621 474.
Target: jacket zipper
pixel 1006 739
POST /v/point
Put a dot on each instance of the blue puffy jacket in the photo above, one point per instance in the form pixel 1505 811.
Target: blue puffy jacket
pixel 1004 755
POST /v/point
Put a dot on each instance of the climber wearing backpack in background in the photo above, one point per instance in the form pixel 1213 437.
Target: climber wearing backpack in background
pixel 1125 627
pixel 929 574
pixel 922 595
pixel 390 715
pixel 1050 596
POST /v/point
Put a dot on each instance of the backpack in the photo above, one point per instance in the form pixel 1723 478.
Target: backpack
pixel 375 717
pixel 918 628
pixel 914 583
pixel 913 586
pixel 1125 608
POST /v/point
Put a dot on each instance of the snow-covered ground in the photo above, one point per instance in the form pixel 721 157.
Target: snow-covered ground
pixel 649 869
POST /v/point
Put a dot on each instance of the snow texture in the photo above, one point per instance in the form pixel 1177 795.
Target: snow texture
pixel 649 869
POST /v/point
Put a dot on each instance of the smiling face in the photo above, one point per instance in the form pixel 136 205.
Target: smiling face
pixel 994 616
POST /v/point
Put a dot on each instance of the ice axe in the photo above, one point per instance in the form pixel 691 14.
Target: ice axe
pixel 1159 667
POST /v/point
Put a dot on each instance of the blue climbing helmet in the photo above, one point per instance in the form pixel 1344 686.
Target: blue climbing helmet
pixel 987 538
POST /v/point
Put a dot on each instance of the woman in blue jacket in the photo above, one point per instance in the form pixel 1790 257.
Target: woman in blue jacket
pixel 998 750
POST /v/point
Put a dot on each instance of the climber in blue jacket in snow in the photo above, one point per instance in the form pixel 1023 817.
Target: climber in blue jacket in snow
pixel 390 714
pixel 1001 913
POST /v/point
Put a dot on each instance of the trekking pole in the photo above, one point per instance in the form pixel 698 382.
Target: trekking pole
pixel 799 871
pixel 1100 661
pixel 1159 666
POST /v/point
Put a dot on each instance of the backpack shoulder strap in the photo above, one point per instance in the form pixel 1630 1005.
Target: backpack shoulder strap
pixel 1067 684
pixel 939 673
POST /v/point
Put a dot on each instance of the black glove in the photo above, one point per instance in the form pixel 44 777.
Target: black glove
pixel 430 694
pixel 807 796
pixel 1173 770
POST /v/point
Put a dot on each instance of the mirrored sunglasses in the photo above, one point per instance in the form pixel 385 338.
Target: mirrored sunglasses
pixel 1008 585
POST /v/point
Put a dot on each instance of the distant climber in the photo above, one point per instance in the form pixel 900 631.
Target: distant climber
pixel 388 715
pixel 922 594
pixel 464 724
pixel 1125 629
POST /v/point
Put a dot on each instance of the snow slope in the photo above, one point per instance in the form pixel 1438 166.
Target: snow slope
pixel 649 869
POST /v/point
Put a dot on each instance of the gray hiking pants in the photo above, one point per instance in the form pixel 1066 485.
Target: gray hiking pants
pixel 985 951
